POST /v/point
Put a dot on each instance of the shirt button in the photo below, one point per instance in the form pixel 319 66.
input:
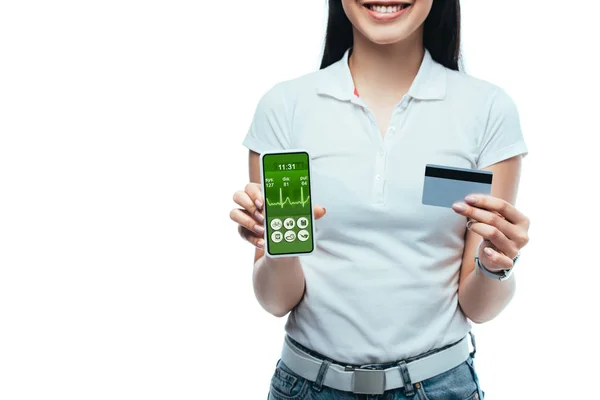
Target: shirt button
pixel 377 177
pixel 391 129
pixel 381 153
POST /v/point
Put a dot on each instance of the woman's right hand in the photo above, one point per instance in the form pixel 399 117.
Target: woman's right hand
pixel 250 216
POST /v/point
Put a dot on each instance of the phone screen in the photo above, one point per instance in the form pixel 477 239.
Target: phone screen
pixel 288 204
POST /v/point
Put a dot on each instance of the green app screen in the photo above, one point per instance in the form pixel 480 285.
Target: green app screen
pixel 287 203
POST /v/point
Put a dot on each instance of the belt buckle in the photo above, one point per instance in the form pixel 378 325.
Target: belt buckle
pixel 368 381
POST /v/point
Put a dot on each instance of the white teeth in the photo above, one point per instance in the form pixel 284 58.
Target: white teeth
pixel 386 9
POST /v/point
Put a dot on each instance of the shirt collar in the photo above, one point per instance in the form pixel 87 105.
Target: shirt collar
pixel 429 84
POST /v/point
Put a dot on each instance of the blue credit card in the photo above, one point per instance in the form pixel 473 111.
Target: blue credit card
pixel 446 185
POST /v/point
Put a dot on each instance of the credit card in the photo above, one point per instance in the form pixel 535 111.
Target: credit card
pixel 446 185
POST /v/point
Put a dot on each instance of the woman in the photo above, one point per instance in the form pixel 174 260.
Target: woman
pixel 382 309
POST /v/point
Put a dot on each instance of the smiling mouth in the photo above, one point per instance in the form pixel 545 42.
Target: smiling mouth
pixel 385 8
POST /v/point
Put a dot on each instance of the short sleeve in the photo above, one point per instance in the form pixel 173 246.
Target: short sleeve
pixel 502 137
pixel 270 128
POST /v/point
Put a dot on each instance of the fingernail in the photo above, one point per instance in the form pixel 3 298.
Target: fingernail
pixel 471 199
pixel 459 207
pixel 260 244
pixel 258 203
pixel 259 217
pixel 488 251
pixel 259 229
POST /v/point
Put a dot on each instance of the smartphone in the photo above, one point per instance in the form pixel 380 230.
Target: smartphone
pixel 289 215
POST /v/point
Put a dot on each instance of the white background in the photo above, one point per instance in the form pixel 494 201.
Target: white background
pixel 121 124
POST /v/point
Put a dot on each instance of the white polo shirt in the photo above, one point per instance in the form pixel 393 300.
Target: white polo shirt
pixel 382 284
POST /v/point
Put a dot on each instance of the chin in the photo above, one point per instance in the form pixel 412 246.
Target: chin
pixel 399 22
pixel 386 36
pixel 383 39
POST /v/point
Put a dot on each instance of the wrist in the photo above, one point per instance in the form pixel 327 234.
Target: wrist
pixel 280 262
pixel 495 274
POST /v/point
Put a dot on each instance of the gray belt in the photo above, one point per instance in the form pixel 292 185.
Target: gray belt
pixel 373 381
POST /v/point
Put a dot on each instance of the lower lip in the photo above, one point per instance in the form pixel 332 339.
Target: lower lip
pixel 386 16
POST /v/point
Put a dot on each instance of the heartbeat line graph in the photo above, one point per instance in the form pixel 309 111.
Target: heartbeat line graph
pixel 289 201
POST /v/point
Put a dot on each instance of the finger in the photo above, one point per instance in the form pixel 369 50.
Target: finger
pixel 242 199
pixel 495 261
pixel 496 237
pixel 319 212
pixel 254 190
pixel 242 218
pixel 257 241
pixel 488 217
pixel 496 204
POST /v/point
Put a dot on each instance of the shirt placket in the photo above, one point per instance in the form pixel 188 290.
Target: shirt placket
pixel 381 174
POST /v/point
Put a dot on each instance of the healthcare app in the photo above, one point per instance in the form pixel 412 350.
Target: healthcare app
pixel 288 204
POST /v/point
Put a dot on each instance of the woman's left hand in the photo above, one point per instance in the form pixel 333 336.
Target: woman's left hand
pixel 505 229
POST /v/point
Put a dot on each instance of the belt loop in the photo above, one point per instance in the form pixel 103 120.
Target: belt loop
pixel 409 389
pixel 473 343
pixel 318 384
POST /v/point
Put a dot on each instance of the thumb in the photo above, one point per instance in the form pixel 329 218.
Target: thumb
pixel 319 212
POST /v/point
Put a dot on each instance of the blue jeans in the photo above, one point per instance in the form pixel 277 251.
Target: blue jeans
pixel 459 383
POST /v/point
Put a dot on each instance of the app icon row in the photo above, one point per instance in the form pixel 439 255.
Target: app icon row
pixel 290 236
pixel 289 223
